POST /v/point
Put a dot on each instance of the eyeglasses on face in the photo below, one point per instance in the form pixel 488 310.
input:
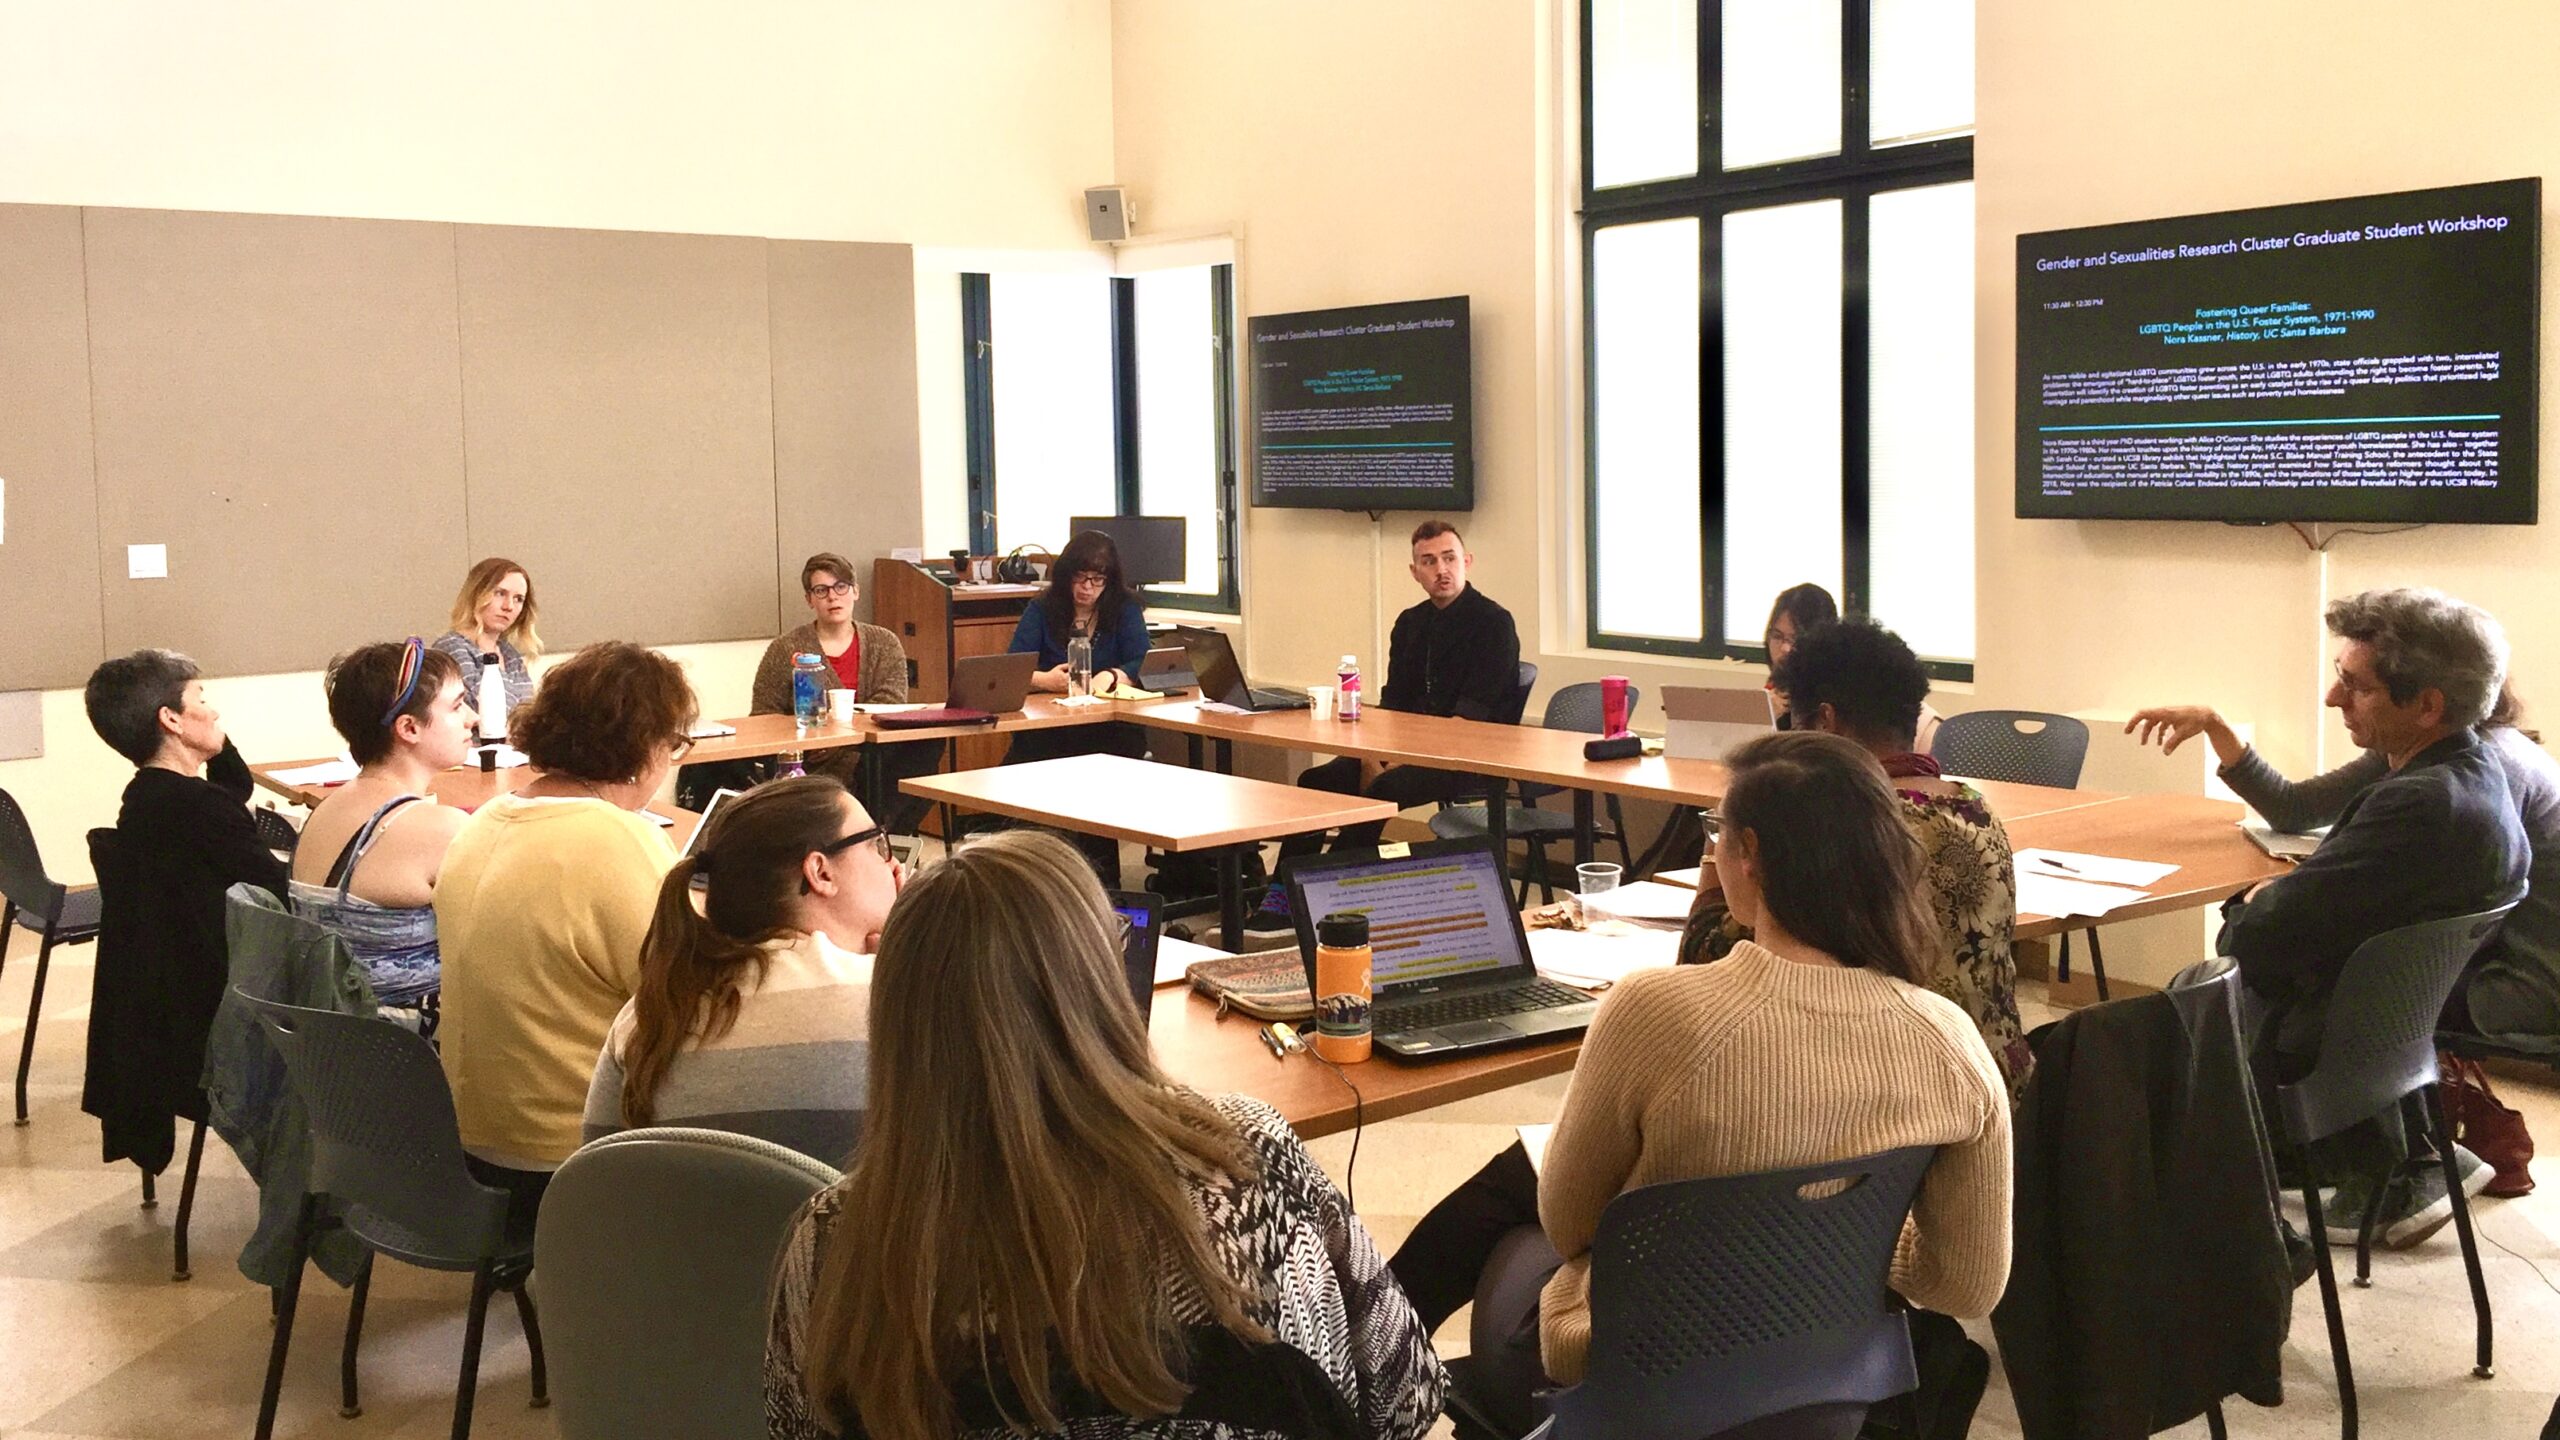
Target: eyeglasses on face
pixel 837 591
pixel 677 747
pixel 877 835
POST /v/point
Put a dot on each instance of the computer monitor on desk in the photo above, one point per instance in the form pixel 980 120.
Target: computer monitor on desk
pixel 1153 548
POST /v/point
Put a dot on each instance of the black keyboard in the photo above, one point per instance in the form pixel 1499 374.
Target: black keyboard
pixel 1442 1010
pixel 1278 699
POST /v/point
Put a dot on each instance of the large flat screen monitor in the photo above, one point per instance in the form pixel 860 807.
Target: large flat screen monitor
pixel 2370 359
pixel 1363 409
pixel 1151 546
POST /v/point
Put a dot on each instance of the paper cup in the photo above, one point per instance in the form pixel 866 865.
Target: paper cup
pixel 1320 701
pixel 840 706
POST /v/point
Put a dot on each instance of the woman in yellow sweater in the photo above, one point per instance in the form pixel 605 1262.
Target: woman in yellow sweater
pixel 1809 1044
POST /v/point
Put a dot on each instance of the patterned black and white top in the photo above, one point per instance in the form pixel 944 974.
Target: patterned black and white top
pixel 1350 1358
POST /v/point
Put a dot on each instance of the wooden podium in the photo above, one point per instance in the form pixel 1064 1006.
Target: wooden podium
pixel 939 622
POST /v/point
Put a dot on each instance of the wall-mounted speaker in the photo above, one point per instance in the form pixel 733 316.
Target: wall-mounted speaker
pixel 1107 213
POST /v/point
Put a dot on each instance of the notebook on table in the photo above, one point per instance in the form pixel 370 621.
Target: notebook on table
pixel 1449 963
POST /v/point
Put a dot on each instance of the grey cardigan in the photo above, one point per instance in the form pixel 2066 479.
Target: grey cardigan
pixel 2514 990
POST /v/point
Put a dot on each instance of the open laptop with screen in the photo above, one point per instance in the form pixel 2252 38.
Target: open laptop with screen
pixel 997 684
pixel 1449 964
pixel 718 799
pixel 1213 660
pixel 1144 912
pixel 1709 722
pixel 1165 669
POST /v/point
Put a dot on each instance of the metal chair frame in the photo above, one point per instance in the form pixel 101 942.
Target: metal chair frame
pixel 61 914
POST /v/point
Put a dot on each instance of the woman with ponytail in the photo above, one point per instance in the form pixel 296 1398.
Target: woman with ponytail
pixel 752 1012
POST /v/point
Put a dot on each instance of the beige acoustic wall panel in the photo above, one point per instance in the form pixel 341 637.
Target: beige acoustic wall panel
pixel 618 419
pixel 49 512
pixel 847 475
pixel 277 403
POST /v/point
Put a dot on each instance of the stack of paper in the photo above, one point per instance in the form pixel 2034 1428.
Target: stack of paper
pixel 1646 902
pixel 327 772
pixel 2096 869
pixel 1592 960
pixel 1174 955
pixel 1688 877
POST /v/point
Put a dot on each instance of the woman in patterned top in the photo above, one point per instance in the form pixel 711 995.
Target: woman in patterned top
pixel 1857 679
pixel 1042 1234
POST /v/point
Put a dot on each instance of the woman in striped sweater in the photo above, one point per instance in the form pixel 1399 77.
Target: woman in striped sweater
pixel 753 1009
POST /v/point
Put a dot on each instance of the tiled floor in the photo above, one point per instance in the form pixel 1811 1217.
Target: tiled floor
pixel 97 1341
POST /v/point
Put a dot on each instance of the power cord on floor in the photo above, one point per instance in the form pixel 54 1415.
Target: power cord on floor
pixel 2477 1229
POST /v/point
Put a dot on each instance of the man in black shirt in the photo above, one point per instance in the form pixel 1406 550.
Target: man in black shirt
pixel 1456 653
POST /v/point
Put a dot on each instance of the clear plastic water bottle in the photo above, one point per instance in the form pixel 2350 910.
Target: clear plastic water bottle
pixel 808 688
pixel 1347 688
pixel 1079 667
pixel 493 698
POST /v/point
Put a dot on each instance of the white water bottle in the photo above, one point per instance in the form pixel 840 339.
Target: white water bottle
pixel 493 698
pixel 1346 702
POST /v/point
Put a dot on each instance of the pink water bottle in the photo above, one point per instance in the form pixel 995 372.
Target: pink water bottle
pixel 1346 702
pixel 1613 705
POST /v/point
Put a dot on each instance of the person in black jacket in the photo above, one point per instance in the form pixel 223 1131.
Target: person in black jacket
pixel 2436 836
pixel 162 959
pixel 1455 653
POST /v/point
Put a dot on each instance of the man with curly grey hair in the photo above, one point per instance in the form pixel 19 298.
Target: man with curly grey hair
pixel 2436 834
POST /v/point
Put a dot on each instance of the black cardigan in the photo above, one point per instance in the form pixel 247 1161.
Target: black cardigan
pixel 1462 660
pixel 162 958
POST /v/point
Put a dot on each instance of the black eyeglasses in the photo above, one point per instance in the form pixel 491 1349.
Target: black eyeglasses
pixel 677 747
pixel 877 835
pixel 837 591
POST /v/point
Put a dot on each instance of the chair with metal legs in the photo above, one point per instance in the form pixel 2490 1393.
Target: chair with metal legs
pixel 57 913
pixel 2023 747
pixel 2378 1052
pixel 387 1164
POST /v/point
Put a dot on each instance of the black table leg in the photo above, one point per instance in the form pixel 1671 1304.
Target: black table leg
pixel 1231 897
pixel 1226 757
pixel 1582 829
pixel 1196 753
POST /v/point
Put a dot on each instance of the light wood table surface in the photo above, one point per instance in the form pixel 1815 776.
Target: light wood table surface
pixel 1211 1054
pixel 1164 807
pixel 2198 834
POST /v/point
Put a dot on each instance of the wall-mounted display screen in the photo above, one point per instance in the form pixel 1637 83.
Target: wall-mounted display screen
pixel 2370 359
pixel 1364 408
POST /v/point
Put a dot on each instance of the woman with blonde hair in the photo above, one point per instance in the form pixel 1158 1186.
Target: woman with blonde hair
pixel 752 1011
pixel 1042 1230
pixel 494 614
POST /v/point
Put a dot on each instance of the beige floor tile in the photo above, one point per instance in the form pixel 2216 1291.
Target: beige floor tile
pixel 58 1337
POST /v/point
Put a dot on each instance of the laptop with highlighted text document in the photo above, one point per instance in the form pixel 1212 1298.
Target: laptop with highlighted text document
pixel 1450 970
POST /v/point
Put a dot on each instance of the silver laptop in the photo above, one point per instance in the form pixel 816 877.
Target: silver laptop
pixel 718 799
pixel 1709 722
pixel 1165 669
pixel 1449 964
pixel 993 683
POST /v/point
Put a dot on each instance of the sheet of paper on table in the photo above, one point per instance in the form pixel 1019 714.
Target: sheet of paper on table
pixel 327 772
pixel 2041 894
pixel 1688 877
pixel 2094 869
pixel 1174 955
pixel 1597 959
pixel 888 709
pixel 1644 901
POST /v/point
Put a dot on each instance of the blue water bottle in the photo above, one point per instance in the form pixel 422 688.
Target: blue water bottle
pixel 808 688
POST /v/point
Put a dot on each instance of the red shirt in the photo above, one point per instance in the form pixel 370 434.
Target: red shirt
pixel 848 666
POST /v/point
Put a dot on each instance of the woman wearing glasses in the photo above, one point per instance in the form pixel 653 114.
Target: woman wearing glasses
pixel 371 852
pixel 544 901
pixel 753 1007
pixel 1088 596
pixel 865 659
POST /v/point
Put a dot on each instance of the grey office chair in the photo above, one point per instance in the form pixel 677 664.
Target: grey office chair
pixel 2378 1050
pixel 59 914
pixel 2023 747
pixel 1576 708
pixel 387 1164
pixel 1735 1301
pixel 656 1249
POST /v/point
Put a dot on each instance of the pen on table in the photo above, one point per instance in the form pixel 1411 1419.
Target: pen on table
pixel 2051 863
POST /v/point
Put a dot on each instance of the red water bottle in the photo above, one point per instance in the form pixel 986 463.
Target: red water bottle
pixel 1613 705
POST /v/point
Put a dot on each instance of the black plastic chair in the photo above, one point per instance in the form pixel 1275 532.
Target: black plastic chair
pixel 61 914
pixel 1576 708
pixel 276 832
pixel 107 860
pixel 2378 1050
pixel 387 1163
pixel 2023 747
pixel 1728 1302
pixel 657 1248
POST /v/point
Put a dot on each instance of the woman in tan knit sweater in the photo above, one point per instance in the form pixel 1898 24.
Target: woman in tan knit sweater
pixel 1809 1044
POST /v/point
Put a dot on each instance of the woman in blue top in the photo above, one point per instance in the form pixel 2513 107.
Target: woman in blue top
pixel 1088 595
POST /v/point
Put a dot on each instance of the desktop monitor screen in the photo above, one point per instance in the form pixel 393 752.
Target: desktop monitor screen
pixel 1152 547
pixel 2370 359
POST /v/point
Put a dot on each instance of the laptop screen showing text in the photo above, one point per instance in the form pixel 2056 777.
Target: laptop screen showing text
pixel 1431 917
